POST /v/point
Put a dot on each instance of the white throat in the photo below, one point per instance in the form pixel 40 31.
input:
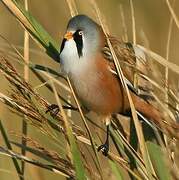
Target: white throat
pixel 70 60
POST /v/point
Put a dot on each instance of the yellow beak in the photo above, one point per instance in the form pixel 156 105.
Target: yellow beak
pixel 68 35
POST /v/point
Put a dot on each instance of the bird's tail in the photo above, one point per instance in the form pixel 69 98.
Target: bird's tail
pixel 165 124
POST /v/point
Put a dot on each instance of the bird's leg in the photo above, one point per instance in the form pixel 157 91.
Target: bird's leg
pixel 54 109
pixel 105 147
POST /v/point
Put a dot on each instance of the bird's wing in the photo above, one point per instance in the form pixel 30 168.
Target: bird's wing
pixel 128 55
pixel 132 61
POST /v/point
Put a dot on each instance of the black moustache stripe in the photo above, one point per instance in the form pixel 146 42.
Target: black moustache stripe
pixel 62 45
pixel 79 42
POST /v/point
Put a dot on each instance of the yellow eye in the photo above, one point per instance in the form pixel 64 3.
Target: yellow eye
pixel 80 33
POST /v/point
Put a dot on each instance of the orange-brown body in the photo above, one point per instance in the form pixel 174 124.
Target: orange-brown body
pixel 91 74
pixel 98 89
pixel 101 91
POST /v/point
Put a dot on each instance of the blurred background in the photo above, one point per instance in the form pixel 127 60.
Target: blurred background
pixel 152 22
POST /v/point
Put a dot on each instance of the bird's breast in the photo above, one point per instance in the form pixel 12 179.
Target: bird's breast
pixel 98 89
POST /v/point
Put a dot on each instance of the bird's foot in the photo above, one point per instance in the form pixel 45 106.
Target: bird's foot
pixel 104 148
pixel 53 109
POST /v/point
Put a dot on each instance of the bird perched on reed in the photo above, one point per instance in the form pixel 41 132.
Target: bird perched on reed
pixel 86 59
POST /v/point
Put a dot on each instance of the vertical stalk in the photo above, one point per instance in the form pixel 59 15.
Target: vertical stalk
pixel 26 77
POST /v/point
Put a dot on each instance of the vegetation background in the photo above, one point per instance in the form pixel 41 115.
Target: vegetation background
pixel 152 21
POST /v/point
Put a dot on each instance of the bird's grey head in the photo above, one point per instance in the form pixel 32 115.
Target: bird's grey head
pixel 81 41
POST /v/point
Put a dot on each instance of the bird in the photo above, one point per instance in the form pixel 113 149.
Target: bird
pixel 85 58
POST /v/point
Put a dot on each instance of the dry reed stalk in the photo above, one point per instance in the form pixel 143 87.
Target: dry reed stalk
pixel 26 78
pixel 140 135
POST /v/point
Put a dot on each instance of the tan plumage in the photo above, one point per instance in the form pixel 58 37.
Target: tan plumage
pixel 145 105
pixel 86 59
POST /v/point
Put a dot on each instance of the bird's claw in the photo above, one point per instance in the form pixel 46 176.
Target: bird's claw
pixel 104 148
pixel 53 109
